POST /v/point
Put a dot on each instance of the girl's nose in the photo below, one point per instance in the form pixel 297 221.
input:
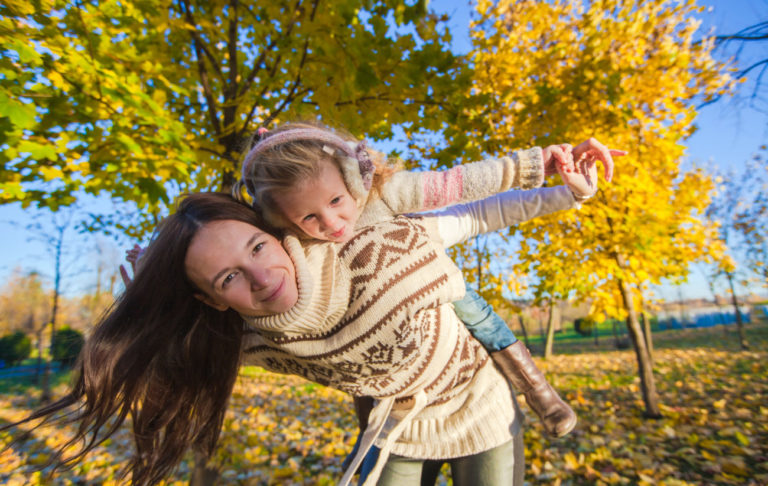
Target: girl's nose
pixel 328 221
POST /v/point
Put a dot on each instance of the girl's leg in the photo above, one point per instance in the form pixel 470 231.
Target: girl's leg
pixel 501 466
pixel 401 470
pixel 514 361
pixel 485 325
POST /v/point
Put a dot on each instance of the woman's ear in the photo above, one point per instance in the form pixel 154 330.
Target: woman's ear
pixel 207 300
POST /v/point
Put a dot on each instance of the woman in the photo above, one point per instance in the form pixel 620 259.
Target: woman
pixel 168 351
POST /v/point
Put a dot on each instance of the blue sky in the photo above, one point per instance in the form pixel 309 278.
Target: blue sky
pixel 729 132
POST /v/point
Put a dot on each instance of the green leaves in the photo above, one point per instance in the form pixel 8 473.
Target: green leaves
pixel 169 93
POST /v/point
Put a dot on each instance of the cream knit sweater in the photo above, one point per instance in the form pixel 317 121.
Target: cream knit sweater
pixel 374 317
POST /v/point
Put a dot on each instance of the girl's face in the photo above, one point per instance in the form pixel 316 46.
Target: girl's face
pixel 237 265
pixel 321 207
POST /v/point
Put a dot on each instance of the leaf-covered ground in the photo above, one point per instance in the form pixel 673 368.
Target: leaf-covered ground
pixel 282 430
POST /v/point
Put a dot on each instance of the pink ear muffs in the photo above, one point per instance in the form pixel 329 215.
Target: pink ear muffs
pixel 358 153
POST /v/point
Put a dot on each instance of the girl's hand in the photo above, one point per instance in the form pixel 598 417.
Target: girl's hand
pixel 132 256
pixel 557 158
pixel 581 178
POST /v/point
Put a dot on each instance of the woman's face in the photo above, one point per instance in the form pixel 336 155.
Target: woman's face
pixel 237 265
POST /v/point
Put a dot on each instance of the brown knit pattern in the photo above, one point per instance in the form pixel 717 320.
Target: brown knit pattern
pixel 398 335
pixel 392 328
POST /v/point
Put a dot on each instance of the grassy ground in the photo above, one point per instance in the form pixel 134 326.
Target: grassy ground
pixel 283 430
pixel 569 341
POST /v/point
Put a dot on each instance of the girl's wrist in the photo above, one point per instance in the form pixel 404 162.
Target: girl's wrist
pixel 580 198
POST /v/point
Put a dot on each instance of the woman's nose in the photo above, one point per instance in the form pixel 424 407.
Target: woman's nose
pixel 259 277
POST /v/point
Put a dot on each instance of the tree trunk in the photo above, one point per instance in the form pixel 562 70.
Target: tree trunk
pixel 523 329
pixel 550 331
pixel 681 305
pixel 645 368
pixel 39 370
pixel 46 396
pixel 202 475
pixel 711 285
pixel 735 301
pixel 648 336
pixel 594 331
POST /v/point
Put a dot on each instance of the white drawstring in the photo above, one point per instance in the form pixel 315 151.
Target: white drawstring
pixel 376 421
pixel 420 401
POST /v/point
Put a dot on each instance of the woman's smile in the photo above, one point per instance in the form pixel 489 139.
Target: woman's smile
pixel 237 265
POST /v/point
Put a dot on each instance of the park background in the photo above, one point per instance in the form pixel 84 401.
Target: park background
pixel 684 404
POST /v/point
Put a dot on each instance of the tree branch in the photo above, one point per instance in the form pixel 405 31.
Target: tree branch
pixel 292 93
pixel 249 79
pixel 202 71
pixel 230 90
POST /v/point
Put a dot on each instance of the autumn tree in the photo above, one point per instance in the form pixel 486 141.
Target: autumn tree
pixel 740 212
pixel 53 231
pixel 752 220
pixel 142 100
pixel 629 73
pixel 24 302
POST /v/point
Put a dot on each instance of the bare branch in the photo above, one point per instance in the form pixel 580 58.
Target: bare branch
pixel 202 71
pixel 259 63
pixel 744 72
pixel 292 93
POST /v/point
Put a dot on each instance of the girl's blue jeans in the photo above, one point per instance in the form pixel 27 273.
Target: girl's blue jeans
pixel 485 325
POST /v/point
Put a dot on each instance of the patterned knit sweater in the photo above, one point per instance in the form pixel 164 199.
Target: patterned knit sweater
pixel 398 336
pixel 374 318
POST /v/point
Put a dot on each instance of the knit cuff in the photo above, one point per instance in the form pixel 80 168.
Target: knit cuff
pixel 530 167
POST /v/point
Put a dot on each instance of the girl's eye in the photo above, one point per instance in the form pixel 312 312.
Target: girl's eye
pixel 308 218
pixel 336 200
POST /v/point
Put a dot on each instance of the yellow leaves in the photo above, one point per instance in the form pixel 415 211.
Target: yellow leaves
pixel 719 404
pixel 736 466
pixel 280 430
pixel 634 68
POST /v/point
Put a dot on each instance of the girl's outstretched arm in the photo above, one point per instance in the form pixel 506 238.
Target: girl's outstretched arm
pixel 463 221
pixel 411 191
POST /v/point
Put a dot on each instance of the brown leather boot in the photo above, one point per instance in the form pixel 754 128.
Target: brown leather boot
pixel 517 366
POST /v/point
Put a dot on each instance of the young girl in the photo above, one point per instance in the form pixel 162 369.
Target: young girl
pixel 311 179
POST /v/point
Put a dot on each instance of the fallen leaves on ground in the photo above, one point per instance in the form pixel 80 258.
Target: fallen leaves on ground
pixel 284 430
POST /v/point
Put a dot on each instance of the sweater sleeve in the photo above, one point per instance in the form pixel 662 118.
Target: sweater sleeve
pixel 463 221
pixel 410 191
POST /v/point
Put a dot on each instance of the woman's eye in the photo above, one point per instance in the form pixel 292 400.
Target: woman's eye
pixel 228 279
pixel 258 247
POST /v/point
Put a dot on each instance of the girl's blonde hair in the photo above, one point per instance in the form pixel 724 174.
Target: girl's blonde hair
pixel 282 158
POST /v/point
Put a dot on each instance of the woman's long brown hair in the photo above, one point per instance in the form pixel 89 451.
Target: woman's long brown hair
pixel 159 355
